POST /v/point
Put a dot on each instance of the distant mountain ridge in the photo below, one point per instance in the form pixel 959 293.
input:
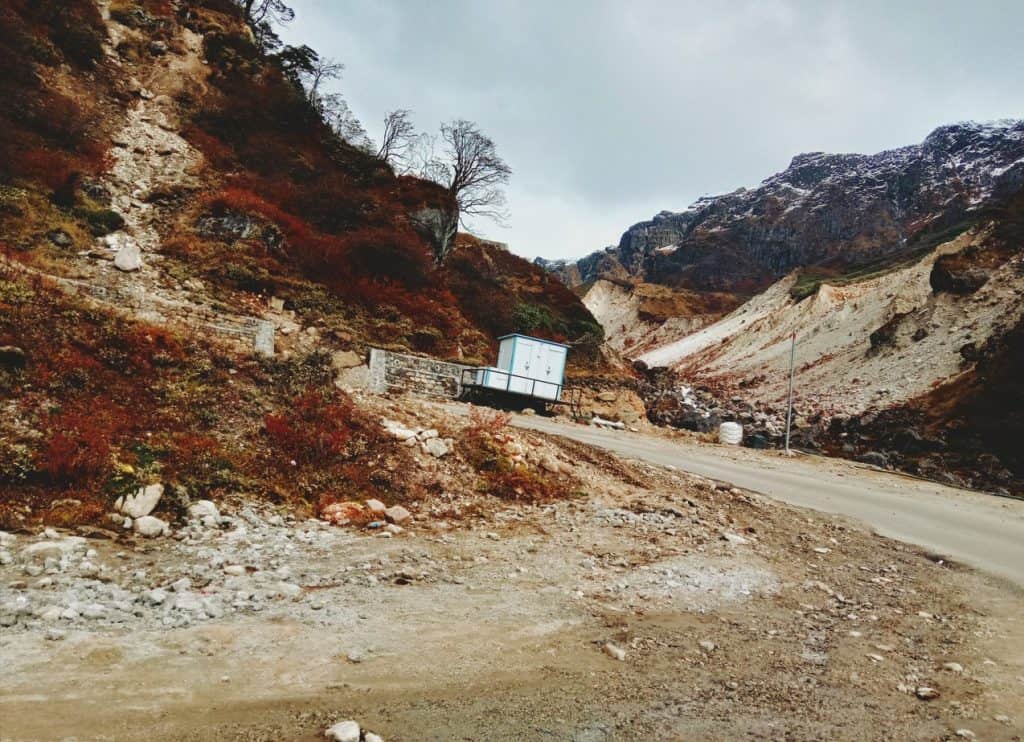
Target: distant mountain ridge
pixel 834 211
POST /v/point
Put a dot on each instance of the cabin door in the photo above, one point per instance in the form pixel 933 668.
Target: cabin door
pixel 524 361
pixel 550 361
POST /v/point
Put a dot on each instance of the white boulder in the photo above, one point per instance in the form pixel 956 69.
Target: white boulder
pixel 128 258
pixel 142 503
pixel 616 653
pixel 343 731
pixel 150 526
pixel 436 447
pixel 203 509
pixel 397 514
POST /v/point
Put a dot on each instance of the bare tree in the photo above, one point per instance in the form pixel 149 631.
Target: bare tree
pixel 398 140
pixel 335 111
pixel 316 74
pixel 471 170
pixel 475 173
pixel 271 11
pixel 466 163
pixel 261 17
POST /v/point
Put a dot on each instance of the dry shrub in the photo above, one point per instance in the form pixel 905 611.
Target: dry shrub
pixel 74 508
pixel 79 447
pixel 484 446
pixel 484 421
pixel 315 429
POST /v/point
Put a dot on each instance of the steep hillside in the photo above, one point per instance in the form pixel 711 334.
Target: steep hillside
pixel 184 247
pixel 931 347
pixel 161 132
pixel 638 316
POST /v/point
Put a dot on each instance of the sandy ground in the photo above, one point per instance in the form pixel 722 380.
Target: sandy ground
pixel 492 626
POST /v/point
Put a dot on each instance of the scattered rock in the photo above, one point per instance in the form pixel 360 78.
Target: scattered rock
pixel 965 733
pixel 617 653
pixel 376 507
pixel 734 539
pixel 550 464
pixel 151 526
pixel 602 423
pixel 42 550
pixel 953 667
pixel 436 447
pixel 925 693
pixel 94 611
pixel 142 503
pixel 342 513
pixel 128 258
pixel 60 238
pixel 344 731
pixel 345 359
pixel 202 509
pixel 397 514
pixel 707 645
pixel 874 458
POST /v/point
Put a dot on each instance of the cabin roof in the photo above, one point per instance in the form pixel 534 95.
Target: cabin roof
pixel 531 337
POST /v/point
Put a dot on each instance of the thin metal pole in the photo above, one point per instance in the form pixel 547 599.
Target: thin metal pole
pixel 789 411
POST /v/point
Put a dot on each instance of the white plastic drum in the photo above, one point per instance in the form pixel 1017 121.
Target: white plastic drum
pixel 730 434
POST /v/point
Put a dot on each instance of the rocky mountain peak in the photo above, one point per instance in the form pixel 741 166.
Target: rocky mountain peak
pixel 837 210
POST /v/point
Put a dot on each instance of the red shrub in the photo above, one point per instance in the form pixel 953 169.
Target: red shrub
pixel 79 447
pixel 194 454
pixel 50 167
pixel 214 150
pixel 390 255
pixel 314 429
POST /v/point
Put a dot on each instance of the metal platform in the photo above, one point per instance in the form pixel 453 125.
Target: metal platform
pixel 505 397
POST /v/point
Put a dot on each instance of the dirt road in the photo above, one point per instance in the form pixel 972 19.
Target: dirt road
pixel 981 530
pixel 646 604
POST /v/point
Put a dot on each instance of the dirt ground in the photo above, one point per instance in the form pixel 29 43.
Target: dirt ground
pixel 739 618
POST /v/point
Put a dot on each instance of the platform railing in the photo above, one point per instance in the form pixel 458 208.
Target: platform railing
pixel 509 376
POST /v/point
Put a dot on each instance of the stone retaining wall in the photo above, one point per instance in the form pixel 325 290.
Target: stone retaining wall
pixel 397 372
pixel 252 331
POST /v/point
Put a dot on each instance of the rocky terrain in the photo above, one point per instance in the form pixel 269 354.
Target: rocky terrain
pixel 899 274
pixel 651 603
pixel 209 530
pixel 837 212
pixel 153 196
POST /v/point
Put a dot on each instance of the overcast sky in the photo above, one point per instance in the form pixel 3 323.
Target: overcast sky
pixel 609 112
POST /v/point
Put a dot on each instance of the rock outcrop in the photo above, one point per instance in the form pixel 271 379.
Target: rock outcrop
pixel 843 211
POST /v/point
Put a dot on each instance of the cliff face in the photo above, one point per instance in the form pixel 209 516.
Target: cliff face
pixel 834 212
